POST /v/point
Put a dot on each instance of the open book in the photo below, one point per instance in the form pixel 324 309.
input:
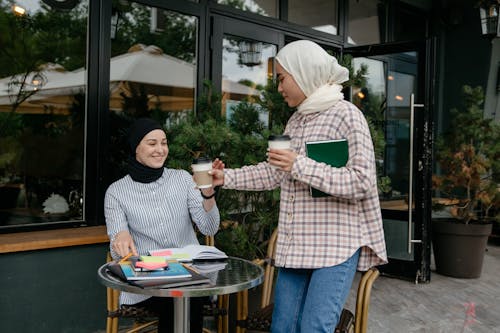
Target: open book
pixel 194 252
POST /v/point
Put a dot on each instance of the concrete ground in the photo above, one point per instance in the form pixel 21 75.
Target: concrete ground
pixel 445 305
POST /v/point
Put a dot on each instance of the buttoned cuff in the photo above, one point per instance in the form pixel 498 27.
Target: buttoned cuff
pixel 297 166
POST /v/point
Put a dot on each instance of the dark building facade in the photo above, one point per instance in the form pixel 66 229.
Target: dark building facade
pixel 73 75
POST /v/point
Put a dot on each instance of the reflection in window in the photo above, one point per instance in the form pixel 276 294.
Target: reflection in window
pixel 318 14
pixel 385 100
pixel 246 68
pixel 42 113
pixel 370 98
pixel 364 23
pixel 261 7
pixel 152 72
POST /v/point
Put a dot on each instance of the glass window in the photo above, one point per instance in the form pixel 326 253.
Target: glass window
pixel 153 72
pixel 42 113
pixel 246 68
pixel 410 23
pixel 261 7
pixel 365 22
pixel 318 14
pixel 385 100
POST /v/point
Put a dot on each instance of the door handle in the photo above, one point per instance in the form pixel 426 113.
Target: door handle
pixel 413 105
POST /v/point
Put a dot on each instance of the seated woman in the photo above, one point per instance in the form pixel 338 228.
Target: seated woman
pixel 154 207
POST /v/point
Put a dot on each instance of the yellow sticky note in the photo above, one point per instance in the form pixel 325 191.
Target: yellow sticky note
pixel 152 259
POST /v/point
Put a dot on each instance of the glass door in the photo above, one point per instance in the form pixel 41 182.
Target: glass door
pixel 243 61
pixel 395 98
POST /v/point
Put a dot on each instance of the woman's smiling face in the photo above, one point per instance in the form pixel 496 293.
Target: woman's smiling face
pixel 288 88
pixel 152 151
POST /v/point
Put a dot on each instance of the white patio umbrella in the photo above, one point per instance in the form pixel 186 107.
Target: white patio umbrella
pixel 36 83
pixel 168 82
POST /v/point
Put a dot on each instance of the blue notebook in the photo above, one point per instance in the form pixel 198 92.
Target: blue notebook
pixel 174 271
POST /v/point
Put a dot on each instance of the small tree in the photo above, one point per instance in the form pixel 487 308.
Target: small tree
pixel 469 157
pixel 248 217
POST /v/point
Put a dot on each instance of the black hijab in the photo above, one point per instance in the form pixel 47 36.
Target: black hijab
pixel 138 171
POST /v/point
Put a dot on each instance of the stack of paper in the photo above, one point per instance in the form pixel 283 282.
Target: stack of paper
pixel 176 275
pixel 148 263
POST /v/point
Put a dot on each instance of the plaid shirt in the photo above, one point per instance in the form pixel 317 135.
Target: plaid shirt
pixel 323 232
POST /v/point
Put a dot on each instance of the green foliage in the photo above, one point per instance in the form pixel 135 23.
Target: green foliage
pixel 248 217
pixel 29 42
pixel 469 157
pixel 134 26
pixel 47 36
pixel 373 108
pixel 272 101
pixel 245 119
pixel 356 79
pixel 209 104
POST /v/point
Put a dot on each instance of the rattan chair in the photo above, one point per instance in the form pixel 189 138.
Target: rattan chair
pixel 262 318
pixel 358 322
pixel 145 321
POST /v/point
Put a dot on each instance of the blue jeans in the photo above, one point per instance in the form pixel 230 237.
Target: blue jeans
pixel 311 300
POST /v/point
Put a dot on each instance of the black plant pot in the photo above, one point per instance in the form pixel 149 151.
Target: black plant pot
pixel 459 248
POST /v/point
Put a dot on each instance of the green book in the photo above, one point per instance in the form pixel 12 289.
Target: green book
pixel 331 152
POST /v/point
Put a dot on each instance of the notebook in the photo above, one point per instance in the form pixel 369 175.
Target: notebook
pixel 170 282
pixel 332 152
pixel 174 270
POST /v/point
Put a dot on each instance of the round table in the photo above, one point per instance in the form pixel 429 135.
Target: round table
pixel 239 274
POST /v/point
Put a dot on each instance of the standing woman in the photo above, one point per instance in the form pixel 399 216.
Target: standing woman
pixel 154 207
pixel 321 241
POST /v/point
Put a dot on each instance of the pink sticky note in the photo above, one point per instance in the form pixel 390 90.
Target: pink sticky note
pixel 164 253
pixel 150 265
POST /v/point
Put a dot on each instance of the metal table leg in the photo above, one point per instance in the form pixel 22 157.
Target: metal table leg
pixel 181 314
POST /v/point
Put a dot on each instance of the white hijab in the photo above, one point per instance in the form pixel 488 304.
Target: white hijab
pixel 317 74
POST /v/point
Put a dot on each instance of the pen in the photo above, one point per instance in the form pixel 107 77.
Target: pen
pixel 191 268
pixel 122 260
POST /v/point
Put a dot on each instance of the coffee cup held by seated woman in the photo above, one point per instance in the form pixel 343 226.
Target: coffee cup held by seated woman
pixel 201 166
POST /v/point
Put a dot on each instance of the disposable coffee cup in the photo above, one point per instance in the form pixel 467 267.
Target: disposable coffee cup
pixel 201 166
pixel 279 141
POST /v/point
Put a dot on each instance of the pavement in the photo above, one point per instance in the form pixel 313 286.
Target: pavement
pixel 444 305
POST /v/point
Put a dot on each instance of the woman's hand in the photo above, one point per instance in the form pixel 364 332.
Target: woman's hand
pixel 123 244
pixel 281 158
pixel 217 172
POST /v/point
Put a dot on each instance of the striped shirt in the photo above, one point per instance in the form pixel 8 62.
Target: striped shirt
pixel 323 232
pixel 157 214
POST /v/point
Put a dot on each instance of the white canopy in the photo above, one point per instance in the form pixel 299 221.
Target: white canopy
pixel 168 82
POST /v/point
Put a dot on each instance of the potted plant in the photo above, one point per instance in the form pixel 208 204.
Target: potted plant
pixel 468 155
